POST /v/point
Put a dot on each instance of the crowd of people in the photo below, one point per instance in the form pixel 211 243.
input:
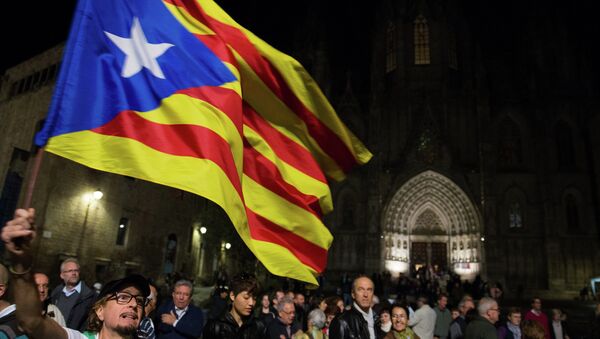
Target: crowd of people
pixel 426 306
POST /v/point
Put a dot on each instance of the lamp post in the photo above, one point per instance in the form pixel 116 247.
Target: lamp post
pixel 203 231
pixel 89 198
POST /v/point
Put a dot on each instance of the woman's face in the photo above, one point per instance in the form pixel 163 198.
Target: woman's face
pixel 323 306
pixel 340 305
pixel 385 317
pixel 399 319
pixel 330 319
pixel 265 301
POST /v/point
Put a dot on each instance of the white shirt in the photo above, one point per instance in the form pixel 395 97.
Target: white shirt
pixel 423 322
pixel 180 312
pixel 369 318
pixel 558 331
pixel 74 334
pixel 8 310
pixel 69 292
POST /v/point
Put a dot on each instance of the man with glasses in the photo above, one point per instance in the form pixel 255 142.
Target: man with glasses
pixel 178 317
pixel 73 297
pixel 284 326
pixel 115 314
pixel 482 327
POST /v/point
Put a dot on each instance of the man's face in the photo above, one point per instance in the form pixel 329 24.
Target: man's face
pixel 299 299
pixel 455 314
pixel 494 313
pixel 41 281
pixel 287 314
pixel 152 303
pixel 537 304
pixel 442 303
pixel 182 296
pixel 515 318
pixel 70 274
pixel 243 303
pixel 469 305
pixel 121 318
pixel 363 292
pixel 279 296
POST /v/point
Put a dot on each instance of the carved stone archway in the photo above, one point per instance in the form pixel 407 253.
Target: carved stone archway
pixel 432 209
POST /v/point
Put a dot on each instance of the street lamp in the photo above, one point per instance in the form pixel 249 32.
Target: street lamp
pixel 203 230
pixel 227 246
pixel 89 198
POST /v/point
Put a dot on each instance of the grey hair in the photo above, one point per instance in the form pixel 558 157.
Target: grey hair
pixel 317 318
pixel 183 282
pixel 68 260
pixel 281 304
pixel 485 304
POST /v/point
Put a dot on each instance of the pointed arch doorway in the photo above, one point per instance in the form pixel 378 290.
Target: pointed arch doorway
pixel 431 221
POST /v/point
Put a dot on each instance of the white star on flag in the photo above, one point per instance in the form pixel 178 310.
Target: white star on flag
pixel 139 52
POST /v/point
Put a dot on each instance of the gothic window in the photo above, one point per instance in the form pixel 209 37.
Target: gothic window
pixel 422 54
pixel 572 213
pixel 391 47
pixel 349 215
pixel 564 145
pixel 515 218
pixel 510 144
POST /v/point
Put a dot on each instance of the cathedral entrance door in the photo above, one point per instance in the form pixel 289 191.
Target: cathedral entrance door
pixel 428 253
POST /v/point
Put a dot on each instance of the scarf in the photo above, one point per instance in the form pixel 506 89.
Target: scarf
pixel 516 330
pixel 386 327
pixel 407 333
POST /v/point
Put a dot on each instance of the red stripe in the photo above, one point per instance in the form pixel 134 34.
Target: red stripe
pixel 218 47
pixel 224 99
pixel 263 171
pixel 286 149
pixel 323 135
pixel 308 253
pixel 178 140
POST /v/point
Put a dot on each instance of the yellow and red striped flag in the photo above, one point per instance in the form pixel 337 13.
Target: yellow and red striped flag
pixel 176 92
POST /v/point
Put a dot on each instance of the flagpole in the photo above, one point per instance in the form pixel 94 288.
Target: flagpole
pixel 33 177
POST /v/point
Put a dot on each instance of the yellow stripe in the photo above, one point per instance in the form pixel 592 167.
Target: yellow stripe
pixel 132 158
pixel 303 182
pixel 299 81
pixel 183 109
pixel 285 214
pixel 188 21
pixel 280 261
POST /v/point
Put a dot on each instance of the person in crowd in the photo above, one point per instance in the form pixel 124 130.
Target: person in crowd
pixel 218 302
pixel 482 327
pixel 443 318
pixel 276 298
pixel 531 329
pixel 358 321
pixel 238 321
pixel 115 314
pixel 538 315
pixel 384 322
pixel 423 321
pixel 400 327
pixel 511 329
pixel 558 327
pixel 335 300
pixel 316 323
pixel 147 328
pixel 48 309
pixel 454 313
pixel 73 297
pixel 9 326
pixel 284 326
pixel 300 308
pixel 458 326
pixel 265 312
pixel 178 317
pixel 317 301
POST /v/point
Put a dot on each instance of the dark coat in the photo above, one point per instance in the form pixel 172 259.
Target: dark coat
pixel 79 313
pixel 349 325
pixel 277 329
pixel 225 327
pixel 188 327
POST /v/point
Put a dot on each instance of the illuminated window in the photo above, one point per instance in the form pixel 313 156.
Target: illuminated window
pixel 390 46
pixel 515 218
pixel 422 55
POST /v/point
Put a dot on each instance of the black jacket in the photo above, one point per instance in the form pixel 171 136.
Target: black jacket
pixel 349 325
pixel 227 328
pixel 79 313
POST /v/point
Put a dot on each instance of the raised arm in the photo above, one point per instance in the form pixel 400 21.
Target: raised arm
pixel 17 235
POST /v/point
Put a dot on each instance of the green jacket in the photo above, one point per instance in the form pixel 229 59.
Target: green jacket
pixel 481 328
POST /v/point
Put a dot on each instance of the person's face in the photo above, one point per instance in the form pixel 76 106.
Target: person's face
pixel 455 314
pixel 299 300
pixel 330 318
pixel 442 303
pixel 494 313
pixel 279 295
pixel 469 305
pixel 182 296
pixel 537 304
pixel 399 319
pixel 363 292
pixel 243 303
pixel 152 302
pixel 515 318
pixel 265 301
pixel 340 305
pixel 323 306
pixel 384 317
pixel 122 318
pixel 287 314
pixel 41 281
pixel 70 274
pixel 556 316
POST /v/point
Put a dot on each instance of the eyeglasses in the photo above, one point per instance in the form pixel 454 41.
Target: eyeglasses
pixel 123 298
pixel 494 309
pixel 72 271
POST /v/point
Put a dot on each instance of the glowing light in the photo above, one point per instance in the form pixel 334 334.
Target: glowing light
pixel 203 230
pixel 97 195
pixel 227 246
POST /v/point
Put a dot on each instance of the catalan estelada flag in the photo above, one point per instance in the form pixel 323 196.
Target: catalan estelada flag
pixel 177 93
